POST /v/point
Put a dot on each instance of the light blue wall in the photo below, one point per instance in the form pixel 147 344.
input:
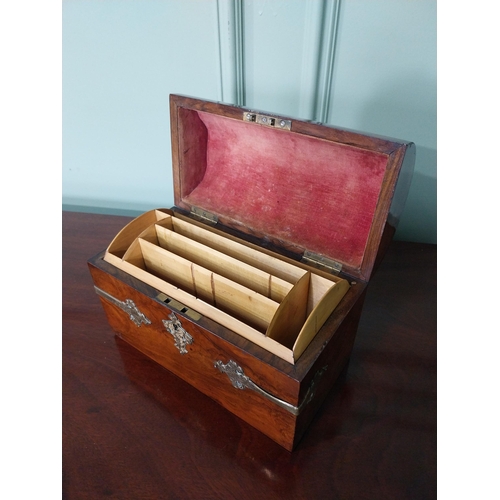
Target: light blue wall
pixel 121 60
pixel 385 83
pixel 360 64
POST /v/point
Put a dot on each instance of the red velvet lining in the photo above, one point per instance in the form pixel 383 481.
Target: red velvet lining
pixel 310 192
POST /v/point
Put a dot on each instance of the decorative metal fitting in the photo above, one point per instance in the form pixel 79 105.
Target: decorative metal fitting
pixel 241 381
pixel 181 337
pixel 128 306
pixel 235 373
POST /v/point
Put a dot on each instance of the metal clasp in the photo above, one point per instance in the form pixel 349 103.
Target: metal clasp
pixel 268 121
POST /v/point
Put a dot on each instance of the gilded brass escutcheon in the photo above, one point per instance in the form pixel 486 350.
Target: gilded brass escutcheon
pixel 181 337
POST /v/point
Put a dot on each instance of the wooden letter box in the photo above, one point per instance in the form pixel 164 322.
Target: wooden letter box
pixel 252 286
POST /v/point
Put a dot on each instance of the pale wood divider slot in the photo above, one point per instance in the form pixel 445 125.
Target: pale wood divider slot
pixel 244 303
pixel 291 314
pixel 260 260
pixel 328 296
pixel 209 311
pixel 122 241
pixel 283 267
pixel 232 268
pixel 238 285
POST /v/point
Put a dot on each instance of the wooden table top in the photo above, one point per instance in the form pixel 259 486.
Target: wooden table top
pixel 132 430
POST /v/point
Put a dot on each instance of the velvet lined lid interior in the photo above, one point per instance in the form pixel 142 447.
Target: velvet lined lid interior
pixel 301 190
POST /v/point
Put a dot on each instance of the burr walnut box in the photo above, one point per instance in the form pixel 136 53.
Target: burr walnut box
pixel 251 287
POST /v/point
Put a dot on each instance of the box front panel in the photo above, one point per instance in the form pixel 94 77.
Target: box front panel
pixel 201 358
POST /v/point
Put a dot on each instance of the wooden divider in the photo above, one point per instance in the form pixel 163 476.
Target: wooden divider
pixel 265 298
pixel 244 303
pixel 218 262
pixel 318 285
pixel 260 260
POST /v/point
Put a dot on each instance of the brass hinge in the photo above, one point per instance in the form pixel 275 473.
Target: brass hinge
pixel 322 262
pixel 268 121
pixel 204 216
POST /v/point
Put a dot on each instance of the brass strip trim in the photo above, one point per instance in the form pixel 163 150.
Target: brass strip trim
pixel 241 381
pixel 128 306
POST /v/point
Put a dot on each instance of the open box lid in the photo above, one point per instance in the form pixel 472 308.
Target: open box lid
pixel 326 193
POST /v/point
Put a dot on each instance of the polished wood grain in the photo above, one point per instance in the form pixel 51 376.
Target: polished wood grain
pixel 131 429
pixel 197 365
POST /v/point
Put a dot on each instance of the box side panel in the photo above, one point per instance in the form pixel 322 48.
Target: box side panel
pixel 197 365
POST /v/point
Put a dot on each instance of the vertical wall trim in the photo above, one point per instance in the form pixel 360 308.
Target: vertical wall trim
pixel 311 51
pixel 330 15
pixel 231 51
pixel 239 53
